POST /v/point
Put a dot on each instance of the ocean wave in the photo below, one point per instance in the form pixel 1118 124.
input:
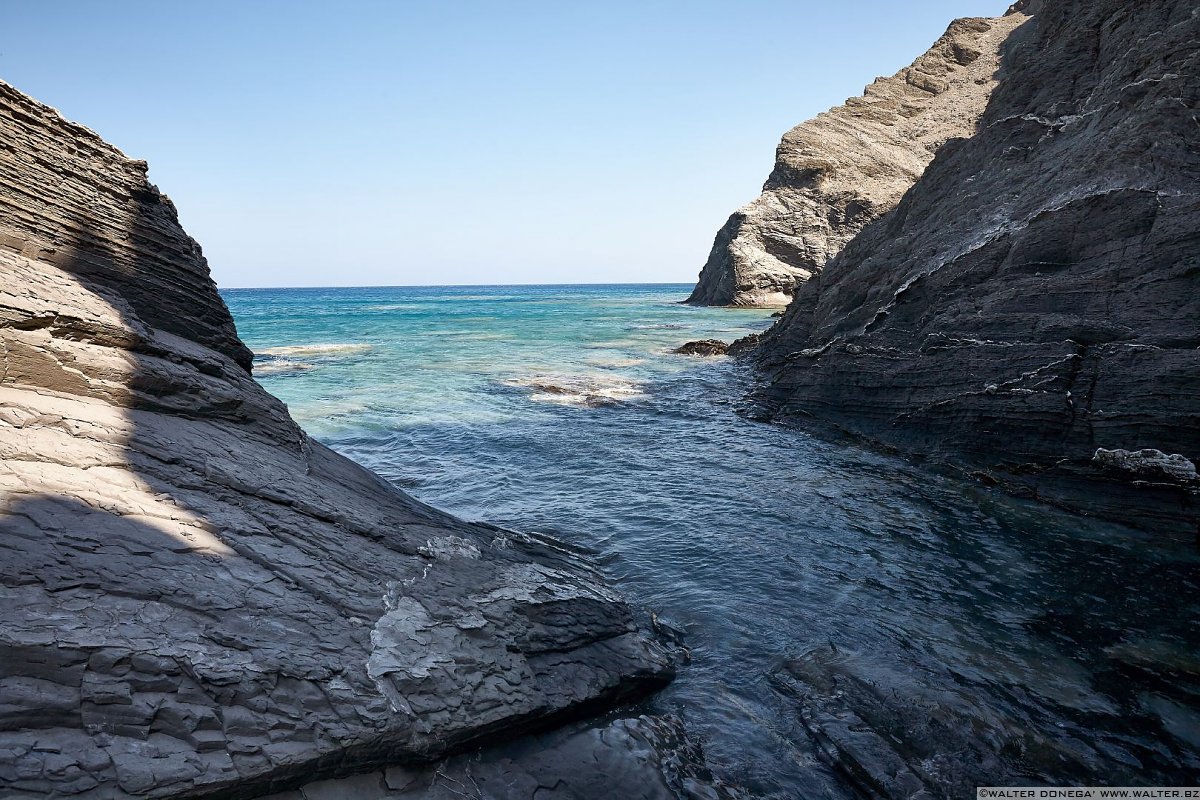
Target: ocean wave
pixel 314 350
pixel 474 336
pixel 613 363
pixel 659 326
pixel 634 343
pixel 329 409
pixel 280 366
pixel 590 391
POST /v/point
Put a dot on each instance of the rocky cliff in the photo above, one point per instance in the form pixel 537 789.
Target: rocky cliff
pixel 1030 310
pixel 838 172
pixel 197 598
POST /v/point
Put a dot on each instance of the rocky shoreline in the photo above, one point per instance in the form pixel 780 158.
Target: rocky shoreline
pixel 639 758
pixel 995 270
pixel 1027 315
pixel 199 599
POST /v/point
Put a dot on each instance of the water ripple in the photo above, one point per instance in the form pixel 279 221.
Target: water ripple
pixel 787 561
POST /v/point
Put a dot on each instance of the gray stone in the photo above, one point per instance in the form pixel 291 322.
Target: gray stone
pixel 1148 463
pixel 197 598
pixel 639 758
pixel 842 170
pixel 1033 301
pixel 703 347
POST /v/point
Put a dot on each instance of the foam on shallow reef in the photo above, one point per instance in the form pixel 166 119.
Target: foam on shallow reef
pixel 591 391
pixel 315 350
pixel 639 343
pixel 279 366
pixel 615 362
pixel 658 326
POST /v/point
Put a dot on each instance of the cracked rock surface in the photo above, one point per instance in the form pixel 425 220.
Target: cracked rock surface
pixel 638 758
pixel 196 597
pixel 836 173
pixel 1030 311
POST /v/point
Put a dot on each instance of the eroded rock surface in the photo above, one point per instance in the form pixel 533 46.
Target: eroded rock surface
pixel 703 347
pixel 198 598
pixel 1034 301
pixel 631 758
pixel 933 730
pixel 851 164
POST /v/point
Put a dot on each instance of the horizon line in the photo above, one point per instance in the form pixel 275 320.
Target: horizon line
pixel 452 285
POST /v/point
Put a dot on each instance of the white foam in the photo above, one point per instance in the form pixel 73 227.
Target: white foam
pixel 578 390
pixel 281 366
pixel 600 361
pixel 317 350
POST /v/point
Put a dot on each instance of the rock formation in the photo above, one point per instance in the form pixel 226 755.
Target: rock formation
pixel 703 347
pixel 1030 311
pixel 642 758
pixel 196 597
pixel 838 172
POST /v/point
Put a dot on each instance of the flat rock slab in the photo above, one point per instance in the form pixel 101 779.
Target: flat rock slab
pixel 640 758
pixel 195 597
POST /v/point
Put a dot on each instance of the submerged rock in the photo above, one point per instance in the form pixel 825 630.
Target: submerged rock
pixel 588 391
pixel 640 758
pixel 1033 303
pixel 197 598
pixel 932 731
pixel 838 172
pixel 703 347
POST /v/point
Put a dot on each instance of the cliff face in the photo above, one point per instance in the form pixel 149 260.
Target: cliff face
pixel 195 597
pixel 1030 311
pixel 838 172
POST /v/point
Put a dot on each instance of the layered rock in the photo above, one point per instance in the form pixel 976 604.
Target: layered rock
pixel 196 597
pixel 836 173
pixel 1030 311
pixel 642 758
pixel 703 347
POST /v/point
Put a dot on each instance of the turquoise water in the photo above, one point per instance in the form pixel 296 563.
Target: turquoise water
pixel 560 409
pixel 384 359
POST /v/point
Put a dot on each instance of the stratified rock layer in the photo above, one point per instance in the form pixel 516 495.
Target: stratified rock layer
pixel 851 164
pixel 195 597
pixel 643 758
pixel 1030 311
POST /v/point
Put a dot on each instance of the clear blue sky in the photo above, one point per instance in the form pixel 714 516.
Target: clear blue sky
pixel 391 143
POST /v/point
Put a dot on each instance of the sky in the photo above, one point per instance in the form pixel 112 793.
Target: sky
pixel 416 142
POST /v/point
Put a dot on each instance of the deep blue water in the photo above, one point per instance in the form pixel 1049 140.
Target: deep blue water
pixel 560 409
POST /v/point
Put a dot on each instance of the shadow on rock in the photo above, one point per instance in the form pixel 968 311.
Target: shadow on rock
pixel 198 598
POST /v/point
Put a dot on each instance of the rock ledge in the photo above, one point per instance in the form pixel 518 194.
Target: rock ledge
pixel 196 597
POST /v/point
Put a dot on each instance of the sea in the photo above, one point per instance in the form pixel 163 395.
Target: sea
pixel 1037 637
